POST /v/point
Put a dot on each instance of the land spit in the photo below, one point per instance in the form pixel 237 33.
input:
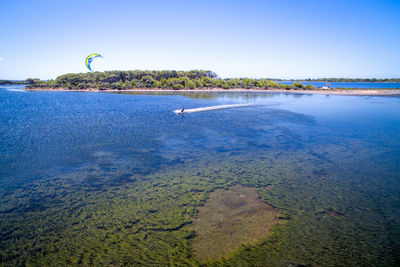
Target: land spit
pixel 357 92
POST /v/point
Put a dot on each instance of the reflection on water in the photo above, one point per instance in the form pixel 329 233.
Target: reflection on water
pixel 123 169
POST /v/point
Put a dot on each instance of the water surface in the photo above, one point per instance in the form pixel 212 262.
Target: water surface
pixel 103 178
pixel 354 85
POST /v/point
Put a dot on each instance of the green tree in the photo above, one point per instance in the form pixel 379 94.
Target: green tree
pixel 298 85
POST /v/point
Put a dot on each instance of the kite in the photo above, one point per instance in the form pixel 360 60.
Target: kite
pixel 90 58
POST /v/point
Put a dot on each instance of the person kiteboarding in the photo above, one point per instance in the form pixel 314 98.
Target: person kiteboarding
pixel 183 108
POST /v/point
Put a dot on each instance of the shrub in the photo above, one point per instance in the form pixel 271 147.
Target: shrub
pixel 298 85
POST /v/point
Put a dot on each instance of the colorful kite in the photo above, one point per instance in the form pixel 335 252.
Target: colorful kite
pixel 90 58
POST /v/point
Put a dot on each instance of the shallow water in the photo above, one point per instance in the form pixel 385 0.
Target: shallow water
pixel 75 156
pixel 354 85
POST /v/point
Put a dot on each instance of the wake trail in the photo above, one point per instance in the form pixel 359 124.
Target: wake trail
pixel 16 90
pixel 193 110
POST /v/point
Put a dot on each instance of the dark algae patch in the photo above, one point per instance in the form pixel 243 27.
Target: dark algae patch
pixel 229 219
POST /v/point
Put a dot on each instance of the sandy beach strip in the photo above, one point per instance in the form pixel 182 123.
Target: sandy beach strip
pixel 353 92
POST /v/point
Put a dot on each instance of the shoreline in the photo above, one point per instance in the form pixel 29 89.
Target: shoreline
pixel 352 92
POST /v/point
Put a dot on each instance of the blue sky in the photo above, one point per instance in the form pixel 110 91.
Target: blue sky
pixel 279 39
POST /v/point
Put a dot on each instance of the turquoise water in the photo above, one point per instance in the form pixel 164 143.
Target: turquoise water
pixel 355 85
pixel 338 153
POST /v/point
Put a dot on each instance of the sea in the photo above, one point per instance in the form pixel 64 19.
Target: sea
pixel 350 85
pixel 80 170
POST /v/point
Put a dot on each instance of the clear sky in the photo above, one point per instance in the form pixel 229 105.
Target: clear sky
pixel 275 39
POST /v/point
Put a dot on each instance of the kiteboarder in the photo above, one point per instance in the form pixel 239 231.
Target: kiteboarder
pixel 183 108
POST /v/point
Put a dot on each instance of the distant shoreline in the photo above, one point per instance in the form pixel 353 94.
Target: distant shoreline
pixel 353 92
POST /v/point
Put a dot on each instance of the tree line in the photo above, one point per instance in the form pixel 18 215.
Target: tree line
pixel 119 80
pixel 170 79
pixel 10 82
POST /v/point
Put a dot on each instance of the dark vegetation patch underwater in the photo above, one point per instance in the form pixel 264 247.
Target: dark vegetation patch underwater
pixel 330 220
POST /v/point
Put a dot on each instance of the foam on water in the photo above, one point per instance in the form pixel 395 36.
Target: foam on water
pixel 16 90
pixel 178 111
